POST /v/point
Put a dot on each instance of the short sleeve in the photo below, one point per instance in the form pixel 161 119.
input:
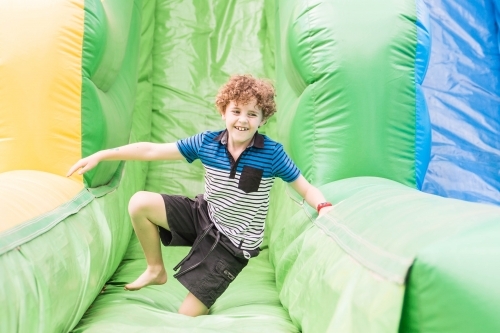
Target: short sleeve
pixel 283 166
pixel 190 147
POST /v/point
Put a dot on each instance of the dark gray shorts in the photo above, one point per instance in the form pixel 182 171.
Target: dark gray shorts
pixel 213 262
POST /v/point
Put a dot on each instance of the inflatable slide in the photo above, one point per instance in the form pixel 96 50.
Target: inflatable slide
pixel 78 76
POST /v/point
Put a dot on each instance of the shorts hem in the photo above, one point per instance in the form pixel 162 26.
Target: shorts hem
pixel 194 291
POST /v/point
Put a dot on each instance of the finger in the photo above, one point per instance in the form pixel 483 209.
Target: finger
pixel 85 168
pixel 75 167
pixel 82 170
pixel 71 170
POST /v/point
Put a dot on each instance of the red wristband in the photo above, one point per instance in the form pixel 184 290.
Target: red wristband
pixel 323 205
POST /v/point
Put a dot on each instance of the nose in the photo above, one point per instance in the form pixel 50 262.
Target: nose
pixel 243 119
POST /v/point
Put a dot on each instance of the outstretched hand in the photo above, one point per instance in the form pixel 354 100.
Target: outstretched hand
pixel 85 164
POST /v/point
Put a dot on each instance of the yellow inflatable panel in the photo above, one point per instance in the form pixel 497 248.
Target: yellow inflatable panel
pixel 26 194
pixel 40 84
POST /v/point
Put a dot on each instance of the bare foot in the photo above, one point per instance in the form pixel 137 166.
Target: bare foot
pixel 149 277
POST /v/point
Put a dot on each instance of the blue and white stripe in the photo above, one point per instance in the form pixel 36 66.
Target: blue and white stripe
pixel 237 214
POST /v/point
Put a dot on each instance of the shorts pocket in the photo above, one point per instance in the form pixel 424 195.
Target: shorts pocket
pixel 250 179
pixel 224 275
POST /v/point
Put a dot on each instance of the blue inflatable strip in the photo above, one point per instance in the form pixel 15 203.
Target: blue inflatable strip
pixel 462 90
pixel 423 137
pixel 423 51
pixel 423 124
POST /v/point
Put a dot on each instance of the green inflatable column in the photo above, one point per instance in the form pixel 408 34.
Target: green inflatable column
pixel 347 88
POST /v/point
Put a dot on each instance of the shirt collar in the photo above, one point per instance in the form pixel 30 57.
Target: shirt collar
pixel 257 140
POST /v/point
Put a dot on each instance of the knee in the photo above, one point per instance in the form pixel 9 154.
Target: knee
pixel 138 203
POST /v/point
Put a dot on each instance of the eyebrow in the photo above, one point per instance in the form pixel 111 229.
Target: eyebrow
pixel 252 110
pixel 238 108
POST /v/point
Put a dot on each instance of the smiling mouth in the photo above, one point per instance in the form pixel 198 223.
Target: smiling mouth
pixel 241 129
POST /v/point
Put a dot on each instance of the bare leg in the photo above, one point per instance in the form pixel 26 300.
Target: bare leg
pixel 147 211
pixel 192 306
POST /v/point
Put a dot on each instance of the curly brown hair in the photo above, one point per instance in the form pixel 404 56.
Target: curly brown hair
pixel 242 88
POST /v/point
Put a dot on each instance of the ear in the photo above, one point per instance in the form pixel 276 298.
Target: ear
pixel 223 116
pixel 263 122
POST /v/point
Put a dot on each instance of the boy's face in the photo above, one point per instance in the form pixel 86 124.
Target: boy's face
pixel 242 121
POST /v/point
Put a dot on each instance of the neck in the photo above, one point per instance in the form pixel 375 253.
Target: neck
pixel 236 148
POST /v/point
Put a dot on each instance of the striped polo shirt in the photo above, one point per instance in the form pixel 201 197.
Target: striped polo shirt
pixel 237 192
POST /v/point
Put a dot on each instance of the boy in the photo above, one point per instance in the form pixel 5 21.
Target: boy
pixel 225 225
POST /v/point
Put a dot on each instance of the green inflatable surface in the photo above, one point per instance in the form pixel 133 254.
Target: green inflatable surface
pixel 387 258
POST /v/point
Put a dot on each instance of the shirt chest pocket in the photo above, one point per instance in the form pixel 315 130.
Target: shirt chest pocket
pixel 250 179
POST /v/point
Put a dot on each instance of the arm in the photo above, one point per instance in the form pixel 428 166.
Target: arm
pixel 311 194
pixel 142 151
